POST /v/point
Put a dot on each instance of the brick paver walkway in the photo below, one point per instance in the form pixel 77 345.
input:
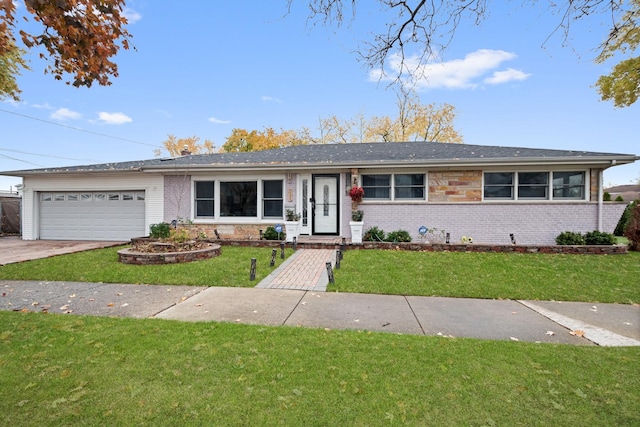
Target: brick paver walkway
pixel 304 270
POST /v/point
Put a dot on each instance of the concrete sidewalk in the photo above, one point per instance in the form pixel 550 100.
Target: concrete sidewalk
pixel 534 321
pixel 293 295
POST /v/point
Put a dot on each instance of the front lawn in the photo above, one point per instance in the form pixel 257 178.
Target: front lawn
pixel 231 268
pixel 589 278
pixel 74 370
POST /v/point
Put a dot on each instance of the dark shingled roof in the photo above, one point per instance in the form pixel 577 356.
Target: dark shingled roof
pixel 346 155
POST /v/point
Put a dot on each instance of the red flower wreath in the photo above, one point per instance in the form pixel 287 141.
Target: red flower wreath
pixel 356 194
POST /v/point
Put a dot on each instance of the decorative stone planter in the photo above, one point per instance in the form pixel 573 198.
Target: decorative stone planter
pixel 131 256
pixel 292 228
pixel 356 231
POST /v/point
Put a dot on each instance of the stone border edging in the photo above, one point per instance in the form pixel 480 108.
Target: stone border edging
pixel 443 247
pixel 128 256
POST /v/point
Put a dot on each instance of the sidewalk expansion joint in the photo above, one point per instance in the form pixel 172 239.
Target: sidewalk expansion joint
pixel 599 336
pixel 415 316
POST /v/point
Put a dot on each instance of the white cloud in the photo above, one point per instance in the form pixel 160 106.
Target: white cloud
pixel 219 121
pixel 506 76
pixel 131 15
pixel 44 106
pixel 65 114
pixel 463 73
pixel 271 99
pixel 114 118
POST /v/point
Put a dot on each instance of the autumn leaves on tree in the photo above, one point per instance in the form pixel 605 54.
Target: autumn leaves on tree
pixel 414 122
pixel 80 37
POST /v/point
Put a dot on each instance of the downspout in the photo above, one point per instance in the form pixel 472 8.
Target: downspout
pixel 600 197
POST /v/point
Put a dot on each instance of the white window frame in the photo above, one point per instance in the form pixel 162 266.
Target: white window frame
pixel 218 219
pixel 550 186
pixel 392 187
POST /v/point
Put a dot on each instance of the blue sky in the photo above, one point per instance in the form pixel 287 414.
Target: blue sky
pixel 206 67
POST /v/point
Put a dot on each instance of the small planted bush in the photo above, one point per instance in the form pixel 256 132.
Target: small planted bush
pixel 160 231
pixel 570 238
pixel 398 236
pixel 599 238
pixel 271 234
pixel 374 234
pixel 632 229
pixel 625 218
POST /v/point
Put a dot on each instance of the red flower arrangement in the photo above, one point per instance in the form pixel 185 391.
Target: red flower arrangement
pixel 356 194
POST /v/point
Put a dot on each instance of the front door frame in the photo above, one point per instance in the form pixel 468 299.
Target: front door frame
pixel 313 204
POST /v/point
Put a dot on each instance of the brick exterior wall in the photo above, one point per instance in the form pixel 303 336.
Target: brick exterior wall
pixel 177 197
pixel 491 223
pixel 454 205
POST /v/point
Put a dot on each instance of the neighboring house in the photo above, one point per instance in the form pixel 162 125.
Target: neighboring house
pixel 629 193
pixel 486 192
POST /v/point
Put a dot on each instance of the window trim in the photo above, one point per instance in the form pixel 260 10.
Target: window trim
pixel 263 199
pixel 549 186
pixel 196 199
pixel 393 186
pixel 218 218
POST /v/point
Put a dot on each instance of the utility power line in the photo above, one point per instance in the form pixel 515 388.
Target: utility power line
pixel 50 156
pixel 79 129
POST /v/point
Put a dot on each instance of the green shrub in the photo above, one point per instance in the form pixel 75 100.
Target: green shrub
pixel 160 231
pixel 606 197
pixel 570 238
pixel 625 218
pixel 271 234
pixel 632 230
pixel 398 236
pixel 180 235
pixel 374 234
pixel 619 199
pixel 599 238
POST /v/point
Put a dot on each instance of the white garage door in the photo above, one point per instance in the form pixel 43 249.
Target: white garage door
pixel 110 215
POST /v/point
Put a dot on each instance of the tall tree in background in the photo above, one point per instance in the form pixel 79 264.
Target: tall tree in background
pixel 418 31
pixel 415 122
pixel 11 64
pixel 622 85
pixel 175 146
pixel 79 37
pixel 242 140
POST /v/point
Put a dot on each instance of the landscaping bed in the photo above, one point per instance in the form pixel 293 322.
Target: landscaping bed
pixel 154 253
pixel 443 247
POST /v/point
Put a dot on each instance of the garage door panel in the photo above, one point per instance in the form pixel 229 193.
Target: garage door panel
pixel 92 216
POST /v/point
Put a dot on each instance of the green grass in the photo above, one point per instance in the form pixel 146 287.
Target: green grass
pixel 72 370
pixel 231 268
pixel 590 278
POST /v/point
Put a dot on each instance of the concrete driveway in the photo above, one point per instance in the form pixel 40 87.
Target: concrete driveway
pixel 13 249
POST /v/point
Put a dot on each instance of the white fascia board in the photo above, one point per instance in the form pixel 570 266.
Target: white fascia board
pixel 466 163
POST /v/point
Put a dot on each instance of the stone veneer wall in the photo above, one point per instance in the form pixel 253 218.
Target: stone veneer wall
pixel 593 184
pixel 455 186
pixel 491 223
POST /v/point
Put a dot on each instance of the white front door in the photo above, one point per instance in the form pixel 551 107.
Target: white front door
pixel 325 207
